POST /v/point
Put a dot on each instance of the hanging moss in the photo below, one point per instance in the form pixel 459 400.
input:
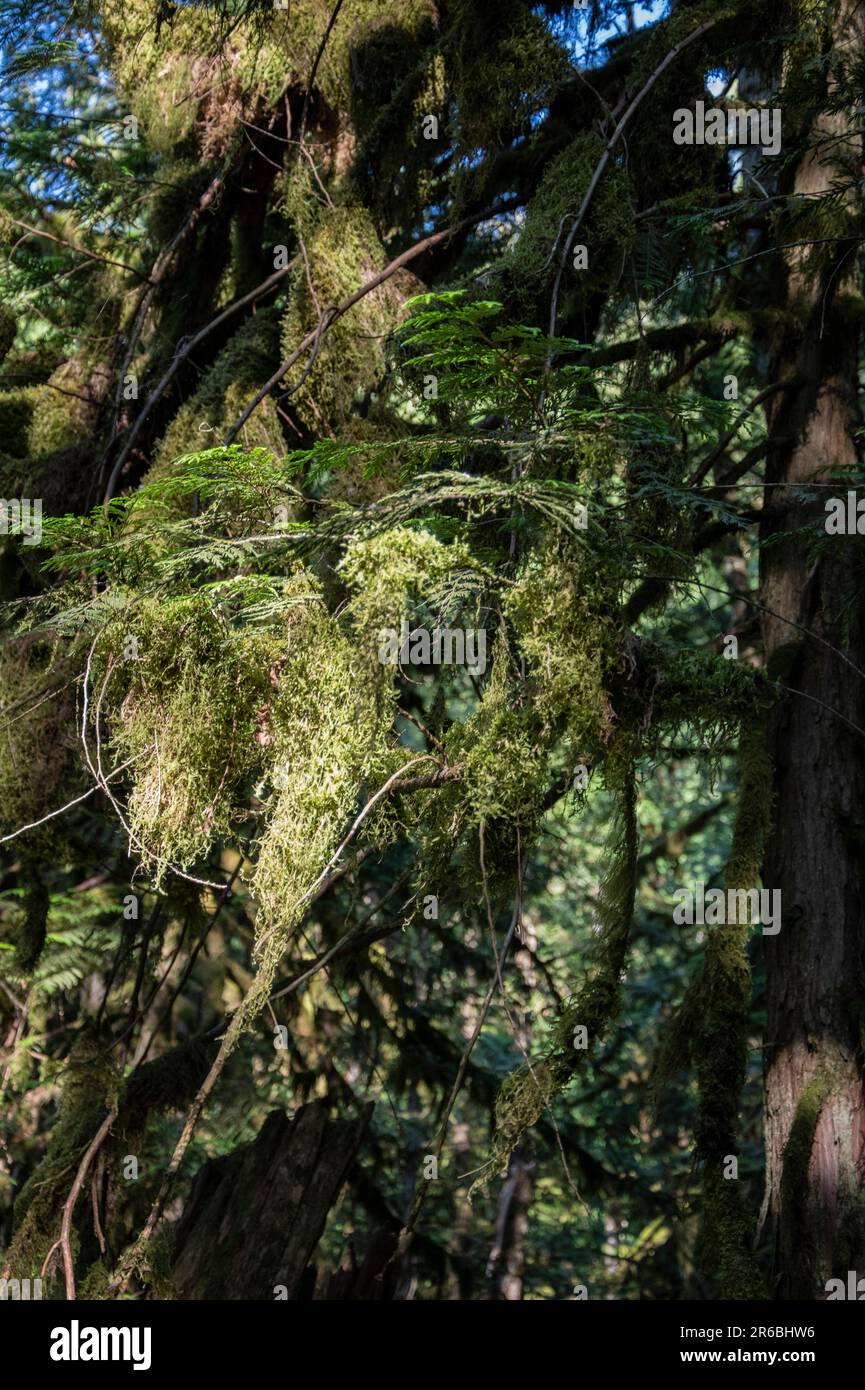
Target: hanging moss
pixel 16 417
pixel 701 691
pixel 36 731
pixel 397 82
pixel 156 67
pixel 523 1096
pixel 181 690
pixel 563 608
pixel 720 1045
pixel 504 65
pixel 505 754
pixel 31 936
pixel 167 1082
pixel 30 366
pixel 395 571
pixel 326 725
pixel 8 329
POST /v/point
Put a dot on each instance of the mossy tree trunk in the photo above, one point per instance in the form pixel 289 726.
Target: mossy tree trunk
pixel 814 1097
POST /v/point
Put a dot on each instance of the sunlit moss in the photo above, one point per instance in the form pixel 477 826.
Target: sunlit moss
pixel 179 690
pixel 326 725
pixel 343 252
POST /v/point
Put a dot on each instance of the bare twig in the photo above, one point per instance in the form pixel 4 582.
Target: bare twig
pixel 69 1208
pixel 176 362
pixel 605 158
pixel 338 311
pixel 82 250
pixel 312 76
pixel 703 468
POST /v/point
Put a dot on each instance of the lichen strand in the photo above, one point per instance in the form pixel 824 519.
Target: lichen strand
pixel 523 1096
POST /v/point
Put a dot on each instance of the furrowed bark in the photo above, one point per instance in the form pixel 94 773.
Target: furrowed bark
pixel 814 1099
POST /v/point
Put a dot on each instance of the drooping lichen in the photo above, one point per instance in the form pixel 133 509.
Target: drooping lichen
pixel 325 728
pixel 524 1095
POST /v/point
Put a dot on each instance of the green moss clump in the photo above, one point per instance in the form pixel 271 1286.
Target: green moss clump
pixel 397 569
pixel 799 1146
pixel 563 611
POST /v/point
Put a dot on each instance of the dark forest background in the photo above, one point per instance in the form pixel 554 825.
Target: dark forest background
pixel 318 318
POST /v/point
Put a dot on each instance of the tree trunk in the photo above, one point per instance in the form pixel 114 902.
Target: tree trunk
pixel 814 1100
pixel 254 1218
